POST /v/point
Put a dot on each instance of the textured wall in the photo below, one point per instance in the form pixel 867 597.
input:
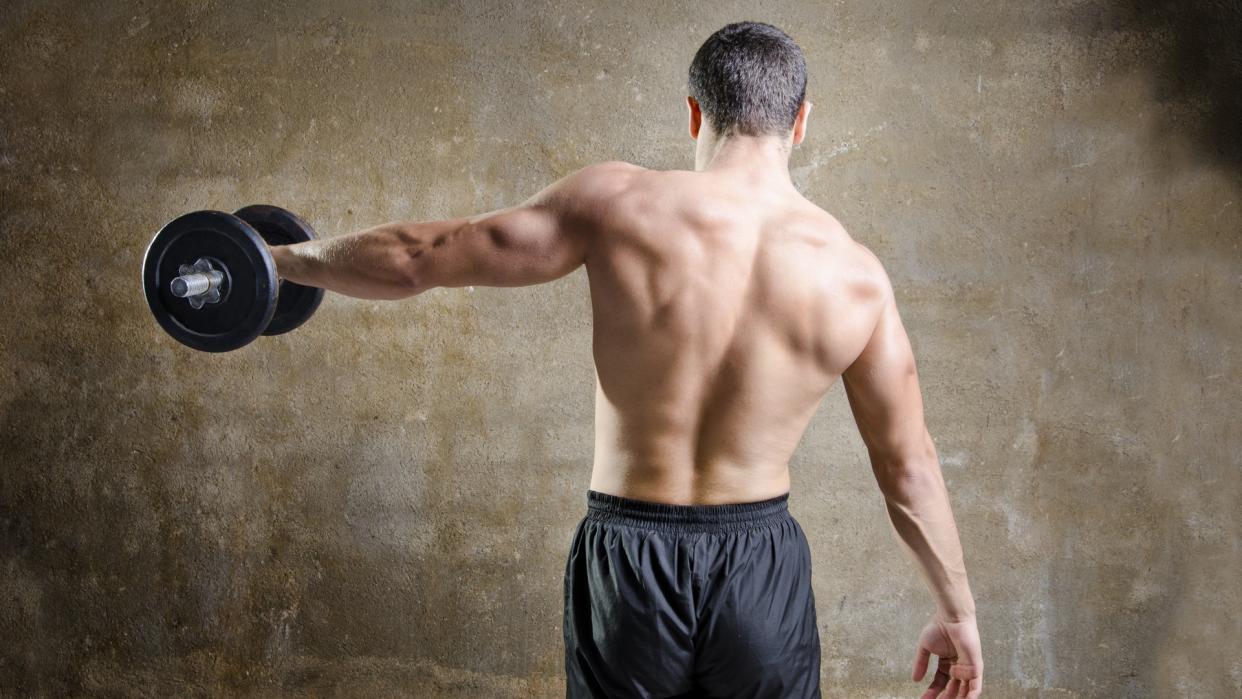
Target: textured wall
pixel 381 502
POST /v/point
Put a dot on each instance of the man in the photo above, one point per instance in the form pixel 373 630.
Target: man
pixel 725 305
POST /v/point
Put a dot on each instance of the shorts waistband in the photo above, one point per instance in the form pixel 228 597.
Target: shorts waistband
pixel 603 507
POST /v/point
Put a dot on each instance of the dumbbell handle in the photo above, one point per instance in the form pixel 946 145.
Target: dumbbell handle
pixel 196 283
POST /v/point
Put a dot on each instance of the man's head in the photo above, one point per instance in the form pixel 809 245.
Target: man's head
pixel 748 79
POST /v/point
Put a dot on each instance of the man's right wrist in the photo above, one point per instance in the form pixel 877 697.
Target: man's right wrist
pixel 956 617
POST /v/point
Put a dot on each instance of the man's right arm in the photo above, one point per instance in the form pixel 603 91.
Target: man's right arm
pixel 883 390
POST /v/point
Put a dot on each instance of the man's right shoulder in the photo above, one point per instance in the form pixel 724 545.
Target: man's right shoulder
pixel 860 267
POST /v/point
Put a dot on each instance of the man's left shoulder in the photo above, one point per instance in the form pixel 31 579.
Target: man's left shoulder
pixel 600 182
pixel 608 173
pixel 614 167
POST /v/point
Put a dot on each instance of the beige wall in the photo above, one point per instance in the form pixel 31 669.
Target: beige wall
pixel 381 502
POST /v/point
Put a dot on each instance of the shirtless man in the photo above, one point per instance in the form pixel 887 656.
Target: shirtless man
pixel 725 305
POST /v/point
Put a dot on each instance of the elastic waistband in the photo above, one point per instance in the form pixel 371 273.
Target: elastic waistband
pixel 614 509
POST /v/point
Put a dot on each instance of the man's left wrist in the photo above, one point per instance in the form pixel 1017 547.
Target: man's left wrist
pixel 280 259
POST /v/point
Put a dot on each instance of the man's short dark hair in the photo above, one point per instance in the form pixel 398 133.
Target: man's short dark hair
pixel 749 78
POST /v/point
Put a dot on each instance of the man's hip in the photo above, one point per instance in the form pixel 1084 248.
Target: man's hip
pixel 689 600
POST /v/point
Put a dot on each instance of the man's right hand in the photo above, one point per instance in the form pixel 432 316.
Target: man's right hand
pixel 959 670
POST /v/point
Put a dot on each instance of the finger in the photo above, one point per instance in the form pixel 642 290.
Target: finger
pixel 965 673
pixel 950 690
pixel 962 689
pixel 921 657
pixel 939 680
pixel 976 688
pixel 933 690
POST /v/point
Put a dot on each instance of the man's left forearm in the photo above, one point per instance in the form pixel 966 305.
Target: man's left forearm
pixel 376 263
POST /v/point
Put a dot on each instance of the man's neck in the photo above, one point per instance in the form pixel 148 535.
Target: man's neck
pixel 755 156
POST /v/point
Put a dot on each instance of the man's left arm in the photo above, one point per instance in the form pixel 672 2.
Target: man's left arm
pixel 542 239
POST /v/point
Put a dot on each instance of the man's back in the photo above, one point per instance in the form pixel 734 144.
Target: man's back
pixel 725 306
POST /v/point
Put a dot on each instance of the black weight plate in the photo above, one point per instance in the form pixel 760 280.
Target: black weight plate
pixel 248 297
pixel 295 303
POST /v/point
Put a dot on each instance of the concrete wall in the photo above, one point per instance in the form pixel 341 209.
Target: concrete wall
pixel 381 503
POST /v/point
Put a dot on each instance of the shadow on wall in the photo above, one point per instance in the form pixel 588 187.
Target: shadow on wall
pixel 1198 70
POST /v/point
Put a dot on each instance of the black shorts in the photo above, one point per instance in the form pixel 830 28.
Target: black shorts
pixel 689 601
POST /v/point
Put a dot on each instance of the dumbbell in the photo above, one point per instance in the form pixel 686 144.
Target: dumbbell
pixel 212 285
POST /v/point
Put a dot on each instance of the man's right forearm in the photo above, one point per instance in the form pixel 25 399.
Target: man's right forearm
pixel 918 507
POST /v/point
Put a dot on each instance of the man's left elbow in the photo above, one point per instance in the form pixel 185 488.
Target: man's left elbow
pixel 416 285
pixel 412 277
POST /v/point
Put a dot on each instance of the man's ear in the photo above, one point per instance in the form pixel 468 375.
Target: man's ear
pixel 696 117
pixel 799 128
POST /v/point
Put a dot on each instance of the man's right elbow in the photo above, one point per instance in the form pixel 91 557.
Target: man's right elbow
pixel 908 472
pixel 910 481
